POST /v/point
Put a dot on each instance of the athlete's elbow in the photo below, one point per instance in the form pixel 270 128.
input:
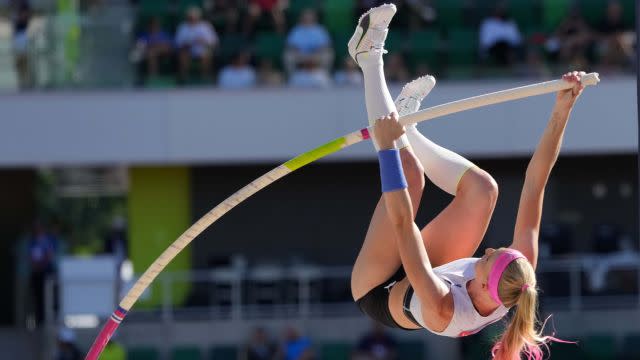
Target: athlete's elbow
pixel 401 218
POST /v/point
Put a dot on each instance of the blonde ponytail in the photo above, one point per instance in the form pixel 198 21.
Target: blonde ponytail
pixel 517 288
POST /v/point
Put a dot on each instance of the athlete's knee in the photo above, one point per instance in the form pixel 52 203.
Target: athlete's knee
pixel 413 170
pixel 479 184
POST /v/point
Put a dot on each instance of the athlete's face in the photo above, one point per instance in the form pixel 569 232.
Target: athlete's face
pixel 484 265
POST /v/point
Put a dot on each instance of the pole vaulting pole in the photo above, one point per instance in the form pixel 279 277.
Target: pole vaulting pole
pixel 329 148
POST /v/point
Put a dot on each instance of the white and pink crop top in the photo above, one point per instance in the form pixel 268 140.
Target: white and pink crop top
pixel 466 320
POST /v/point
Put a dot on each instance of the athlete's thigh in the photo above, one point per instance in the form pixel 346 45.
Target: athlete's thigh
pixel 379 257
pixel 459 229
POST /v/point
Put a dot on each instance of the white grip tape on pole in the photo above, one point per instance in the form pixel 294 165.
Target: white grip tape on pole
pixel 495 98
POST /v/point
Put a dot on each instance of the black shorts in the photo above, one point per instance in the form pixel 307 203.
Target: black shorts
pixel 375 303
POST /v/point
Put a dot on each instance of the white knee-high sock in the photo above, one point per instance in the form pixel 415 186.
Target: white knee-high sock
pixel 442 166
pixel 377 97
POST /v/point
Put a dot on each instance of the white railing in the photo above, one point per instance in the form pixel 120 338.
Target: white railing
pixel 299 292
pixel 304 292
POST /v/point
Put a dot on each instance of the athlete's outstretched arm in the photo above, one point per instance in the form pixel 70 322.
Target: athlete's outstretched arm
pixel 527 226
pixel 429 288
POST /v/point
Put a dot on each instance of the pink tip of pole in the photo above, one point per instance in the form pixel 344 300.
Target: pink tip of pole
pixel 105 334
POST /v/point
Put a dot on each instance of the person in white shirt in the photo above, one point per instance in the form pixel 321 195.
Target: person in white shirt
pixel 308 41
pixel 195 39
pixel 239 74
pixel 500 38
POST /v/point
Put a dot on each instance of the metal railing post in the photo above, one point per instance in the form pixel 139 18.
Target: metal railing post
pixel 167 306
pixel 575 302
pixel 236 298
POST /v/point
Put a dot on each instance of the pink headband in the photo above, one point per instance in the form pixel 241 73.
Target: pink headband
pixel 504 259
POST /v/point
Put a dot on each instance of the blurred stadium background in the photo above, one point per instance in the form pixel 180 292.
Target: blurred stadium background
pixel 117 131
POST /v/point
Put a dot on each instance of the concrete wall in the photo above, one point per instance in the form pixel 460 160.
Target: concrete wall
pixel 212 126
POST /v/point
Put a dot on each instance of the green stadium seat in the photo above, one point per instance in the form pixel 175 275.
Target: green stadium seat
pixel 629 15
pixel 560 351
pixel 594 11
pixel 143 353
pixel 230 45
pixel 161 82
pixel 462 47
pixel 450 13
pixel 224 353
pixel 631 347
pixel 270 46
pixel 423 46
pixel 411 350
pixel 154 7
pixel 599 347
pixel 335 351
pixel 525 13
pixel 340 40
pixel 397 41
pixel 338 15
pixel 186 353
pixel 553 11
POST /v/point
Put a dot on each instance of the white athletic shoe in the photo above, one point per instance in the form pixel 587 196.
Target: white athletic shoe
pixel 371 31
pixel 413 93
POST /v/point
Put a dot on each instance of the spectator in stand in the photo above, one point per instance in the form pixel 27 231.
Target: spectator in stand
pixel 396 69
pixel 572 39
pixel 42 255
pixel 239 74
pixel 196 40
pixel 21 20
pixel 296 346
pixel 268 75
pixel 616 40
pixel 67 349
pixel 377 345
pixel 309 75
pixel 308 42
pixel 260 347
pixel 153 46
pixel 259 8
pixel 500 39
pixel 349 74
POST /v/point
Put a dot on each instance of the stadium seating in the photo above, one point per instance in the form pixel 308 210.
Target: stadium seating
pixel 631 347
pixel 525 13
pixel 150 8
pixel 338 15
pixel 423 46
pixel 463 46
pixel 599 347
pixel 143 353
pixel 560 351
pixel 411 350
pixel 270 45
pixel 450 13
pixel 224 353
pixel 335 351
pixel 553 11
pixel 186 353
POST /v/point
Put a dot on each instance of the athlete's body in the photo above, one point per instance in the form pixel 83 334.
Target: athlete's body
pixel 455 299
